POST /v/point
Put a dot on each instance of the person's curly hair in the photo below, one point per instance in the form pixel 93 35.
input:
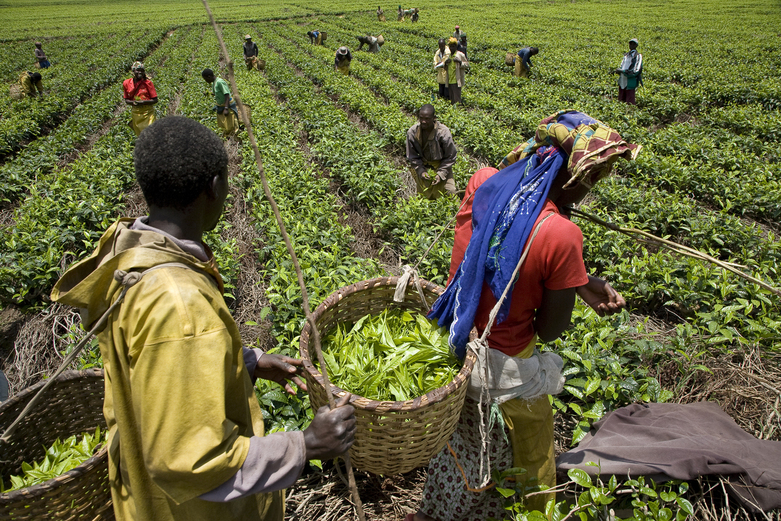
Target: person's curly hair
pixel 175 160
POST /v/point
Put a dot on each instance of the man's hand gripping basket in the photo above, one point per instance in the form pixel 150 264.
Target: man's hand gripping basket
pixel 391 437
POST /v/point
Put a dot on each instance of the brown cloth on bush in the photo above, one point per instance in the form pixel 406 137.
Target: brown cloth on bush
pixel 682 442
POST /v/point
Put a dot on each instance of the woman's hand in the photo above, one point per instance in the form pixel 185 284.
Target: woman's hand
pixel 601 296
pixel 280 369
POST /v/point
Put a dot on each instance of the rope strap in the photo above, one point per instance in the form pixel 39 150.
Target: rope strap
pixel 480 347
pixel 127 280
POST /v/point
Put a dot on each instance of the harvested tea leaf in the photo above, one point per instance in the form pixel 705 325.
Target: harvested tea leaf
pixel 61 457
pixel 394 356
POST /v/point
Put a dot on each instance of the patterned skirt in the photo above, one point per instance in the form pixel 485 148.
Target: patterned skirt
pixel 445 495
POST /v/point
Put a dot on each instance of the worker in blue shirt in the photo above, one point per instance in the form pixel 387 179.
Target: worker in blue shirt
pixel 523 63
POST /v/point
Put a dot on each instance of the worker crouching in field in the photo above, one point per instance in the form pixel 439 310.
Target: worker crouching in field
pixel 518 212
pixel 431 154
pixel 139 92
pixel 30 85
pixel 185 432
pixel 380 14
pixel 342 60
pixel 523 63
pixel 315 37
pixel 227 114
pixel 374 42
pixel 250 53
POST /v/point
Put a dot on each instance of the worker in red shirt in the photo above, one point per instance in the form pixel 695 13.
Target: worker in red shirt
pixel 517 216
pixel 140 94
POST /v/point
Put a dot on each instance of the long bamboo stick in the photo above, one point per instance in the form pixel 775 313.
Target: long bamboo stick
pixel 288 244
pixel 644 236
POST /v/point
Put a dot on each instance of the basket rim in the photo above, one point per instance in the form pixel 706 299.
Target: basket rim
pixel 361 402
pixel 63 377
pixel 41 489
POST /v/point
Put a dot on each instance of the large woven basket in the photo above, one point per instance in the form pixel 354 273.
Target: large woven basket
pixel 391 437
pixel 72 405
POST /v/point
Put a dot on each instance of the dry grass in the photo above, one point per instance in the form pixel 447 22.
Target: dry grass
pixel 324 496
pixel 38 344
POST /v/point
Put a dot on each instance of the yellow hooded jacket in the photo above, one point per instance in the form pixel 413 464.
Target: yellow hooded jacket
pixel 179 404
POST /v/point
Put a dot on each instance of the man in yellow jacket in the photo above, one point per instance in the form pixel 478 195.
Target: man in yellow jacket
pixel 185 429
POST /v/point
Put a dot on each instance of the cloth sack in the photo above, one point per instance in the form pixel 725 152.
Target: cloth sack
pixel 512 377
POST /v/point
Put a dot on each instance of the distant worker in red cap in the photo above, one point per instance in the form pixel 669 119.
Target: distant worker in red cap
pixel 457 33
pixel 250 53
pixel 630 73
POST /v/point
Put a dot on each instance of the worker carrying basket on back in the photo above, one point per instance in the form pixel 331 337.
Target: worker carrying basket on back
pixel 515 219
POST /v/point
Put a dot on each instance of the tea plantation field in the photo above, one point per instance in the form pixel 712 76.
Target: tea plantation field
pixel 708 177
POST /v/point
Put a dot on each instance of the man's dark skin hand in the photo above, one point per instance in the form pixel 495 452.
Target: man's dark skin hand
pixel 280 369
pixel 331 432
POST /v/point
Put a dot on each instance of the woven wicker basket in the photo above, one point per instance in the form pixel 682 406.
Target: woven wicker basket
pixel 72 405
pixel 391 437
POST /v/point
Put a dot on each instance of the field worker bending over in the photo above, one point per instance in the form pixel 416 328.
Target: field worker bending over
pixel 250 53
pixel 140 94
pixel 501 213
pixel 440 62
pixel 342 60
pixel 185 431
pixel 380 14
pixel 630 73
pixel 40 56
pixel 315 37
pixel 431 150
pixel 373 42
pixel 522 63
pixel 227 114
pixel 456 65
pixel 29 83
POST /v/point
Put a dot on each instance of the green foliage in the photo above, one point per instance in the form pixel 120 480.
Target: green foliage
pixel 395 356
pixel 61 457
pixel 594 499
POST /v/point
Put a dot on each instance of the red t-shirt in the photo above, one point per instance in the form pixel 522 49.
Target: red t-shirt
pixel 139 90
pixel 555 262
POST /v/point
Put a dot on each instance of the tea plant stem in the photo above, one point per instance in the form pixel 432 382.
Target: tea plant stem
pixel 307 309
pixel 678 248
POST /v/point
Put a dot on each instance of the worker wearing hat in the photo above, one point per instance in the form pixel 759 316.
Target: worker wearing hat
pixel 139 92
pixel 512 235
pixel 250 53
pixel 342 60
pixel 630 73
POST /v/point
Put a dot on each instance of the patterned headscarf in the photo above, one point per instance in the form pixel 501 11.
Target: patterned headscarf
pixel 137 66
pixel 592 146
pixel 507 205
pixel 452 39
